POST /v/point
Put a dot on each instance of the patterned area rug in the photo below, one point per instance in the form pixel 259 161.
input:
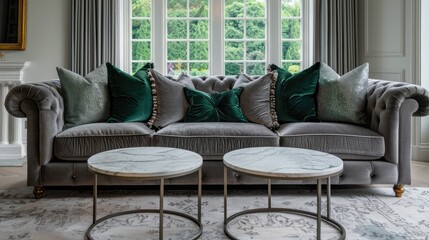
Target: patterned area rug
pixel 372 213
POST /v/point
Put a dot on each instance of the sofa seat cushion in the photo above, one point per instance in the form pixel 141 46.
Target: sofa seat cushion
pixel 81 142
pixel 213 139
pixel 343 140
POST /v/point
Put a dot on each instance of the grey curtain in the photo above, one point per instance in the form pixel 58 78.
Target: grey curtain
pixel 94 34
pixel 337 34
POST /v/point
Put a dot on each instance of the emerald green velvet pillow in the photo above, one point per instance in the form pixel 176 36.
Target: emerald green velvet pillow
pixel 214 107
pixel 296 94
pixel 130 96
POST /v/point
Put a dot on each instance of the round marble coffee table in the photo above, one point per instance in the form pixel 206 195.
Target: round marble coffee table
pixel 289 164
pixel 146 163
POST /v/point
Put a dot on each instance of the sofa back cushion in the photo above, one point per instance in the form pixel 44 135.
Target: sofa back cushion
pixel 130 96
pixel 211 84
pixel 257 99
pixel 169 100
pixel 86 99
pixel 343 98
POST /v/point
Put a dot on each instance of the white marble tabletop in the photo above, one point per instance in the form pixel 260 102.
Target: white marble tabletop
pixel 283 162
pixel 145 162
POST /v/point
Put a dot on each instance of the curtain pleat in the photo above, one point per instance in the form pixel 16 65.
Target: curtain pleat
pixel 337 34
pixel 94 33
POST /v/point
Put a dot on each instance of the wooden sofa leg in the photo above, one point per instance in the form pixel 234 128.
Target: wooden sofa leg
pixel 38 192
pixel 399 190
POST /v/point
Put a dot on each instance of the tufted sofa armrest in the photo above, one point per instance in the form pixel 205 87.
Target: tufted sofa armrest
pixel 390 107
pixel 388 96
pixel 42 104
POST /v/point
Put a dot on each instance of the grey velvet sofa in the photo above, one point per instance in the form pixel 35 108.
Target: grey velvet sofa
pixel 378 154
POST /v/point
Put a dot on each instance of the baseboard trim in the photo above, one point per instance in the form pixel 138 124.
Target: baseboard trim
pixel 12 155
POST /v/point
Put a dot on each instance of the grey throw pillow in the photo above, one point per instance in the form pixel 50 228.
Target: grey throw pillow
pixel 169 100
pixel 257 100
pixel 343 99
pixel 86 99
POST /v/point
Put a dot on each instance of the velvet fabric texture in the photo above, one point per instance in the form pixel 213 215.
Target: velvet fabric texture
pixel 214 107
pixel 169 100
pixel 257 100
pixel 130 96
pixel 86 98
pixel 296 94
pixel 343 99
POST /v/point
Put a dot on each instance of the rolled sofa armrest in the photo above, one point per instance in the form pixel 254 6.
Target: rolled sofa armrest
pixel 388 96
pixel 43 106
pixel 390 107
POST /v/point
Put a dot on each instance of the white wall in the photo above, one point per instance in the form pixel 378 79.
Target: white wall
pixel 48 42
pixel 424 148
pixel 387 39
pixel 48 39
pixel 390 42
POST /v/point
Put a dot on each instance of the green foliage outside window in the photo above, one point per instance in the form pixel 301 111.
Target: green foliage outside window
pixel 198 36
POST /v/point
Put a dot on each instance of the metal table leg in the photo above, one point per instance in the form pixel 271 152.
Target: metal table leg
pixel 161 209
pixel 319 213
pixel 328 200
pixel 225 189
pixel 94 200
pixel 269 193
pixel 199 193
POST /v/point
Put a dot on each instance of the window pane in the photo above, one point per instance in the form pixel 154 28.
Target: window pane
pixel 199 29
pixel 141 8
pixel 176 68
pixel 136 66
pixel 199 50
pixel 234 50
pixel 255 29
pixel 234 8
pixel 177 29
pixel 141 29
pixel 177 50
pixel 198 8
pixel 291 50
pixel 294 67
pixel 234 29
pixel 233 68
pixel 291 28
pixel 291 8
pixel 255 50
pixel 141 51
pixel 255 68
pixel 188 23
pixel 248 26
pixel 255 8
pixel 198 69
pixel 176 8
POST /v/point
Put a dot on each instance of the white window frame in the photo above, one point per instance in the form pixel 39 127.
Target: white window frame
pixel 216 34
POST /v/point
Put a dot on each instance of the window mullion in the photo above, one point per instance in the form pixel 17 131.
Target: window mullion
pixel 126 54
pixel 244 69
pixel 188 36
pixel 274 37
pixel 159 35
pixel 307 26
pixel 217 59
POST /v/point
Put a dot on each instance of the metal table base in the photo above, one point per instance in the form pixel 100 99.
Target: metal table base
pixel 161 210
pixel 318 216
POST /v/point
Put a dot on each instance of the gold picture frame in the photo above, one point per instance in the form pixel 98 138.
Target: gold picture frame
pixel 19 28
